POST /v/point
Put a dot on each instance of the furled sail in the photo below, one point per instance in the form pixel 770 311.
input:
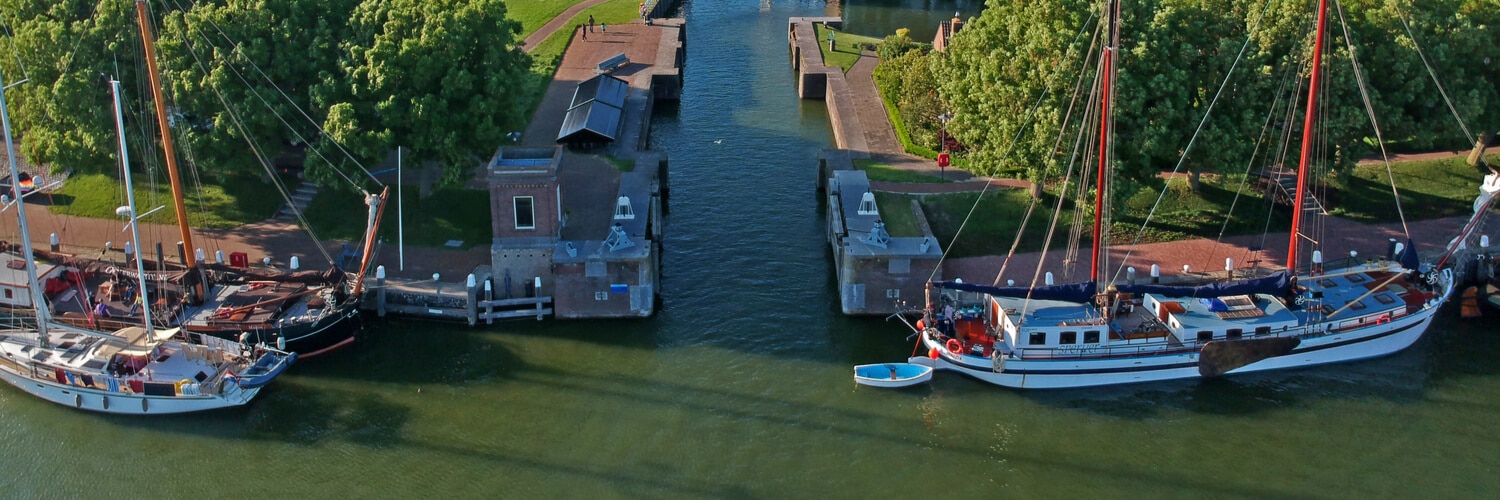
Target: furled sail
pixel 1275 284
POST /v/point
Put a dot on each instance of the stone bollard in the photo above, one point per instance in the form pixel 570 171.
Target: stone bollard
pixel 54 243
pixel 489 309
pixel 380 291
pixel 471 299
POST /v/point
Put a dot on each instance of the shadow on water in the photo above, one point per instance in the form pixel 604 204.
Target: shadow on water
pixel 1448 352
pixel 292 413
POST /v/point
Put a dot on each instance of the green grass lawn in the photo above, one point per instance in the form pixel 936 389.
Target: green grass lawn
pixel 534 13
pixel 847 47
pixel 1185 214
pixel 994 225
pixel 895 212
pixel 449 214
pixel 1429 189
pixel 877 171
pixel 233 202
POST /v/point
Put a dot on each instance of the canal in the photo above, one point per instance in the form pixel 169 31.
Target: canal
pixel 741 386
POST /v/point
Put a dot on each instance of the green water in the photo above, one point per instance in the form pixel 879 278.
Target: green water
pixel 741 386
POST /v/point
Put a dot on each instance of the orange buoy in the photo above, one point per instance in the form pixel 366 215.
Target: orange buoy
pixel 921 325
pixel 932 353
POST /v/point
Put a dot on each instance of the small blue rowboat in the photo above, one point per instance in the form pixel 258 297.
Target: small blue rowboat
pixel 892 374
pixel 270 364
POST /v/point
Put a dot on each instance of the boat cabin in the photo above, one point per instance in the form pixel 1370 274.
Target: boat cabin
pixel 14 290
pixel 1223 318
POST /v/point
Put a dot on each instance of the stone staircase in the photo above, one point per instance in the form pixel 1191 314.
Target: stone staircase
pixel 300 199
pixel 1286 180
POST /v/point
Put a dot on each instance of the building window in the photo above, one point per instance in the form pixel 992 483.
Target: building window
pixel 601 295
pixel 9 294
pixel 525 213
pixel 1091 337
pixel 894 293
pixel 1262 330
pixel 1038 338
pixel 1068 338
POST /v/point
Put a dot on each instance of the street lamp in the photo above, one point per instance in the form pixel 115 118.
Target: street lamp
pixel 943 144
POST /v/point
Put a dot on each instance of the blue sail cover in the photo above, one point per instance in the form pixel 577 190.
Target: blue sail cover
pixel 1409 256
pixel 1077 292
pixel 1275 284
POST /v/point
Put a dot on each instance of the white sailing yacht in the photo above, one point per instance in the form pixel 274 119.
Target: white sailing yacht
pixel 1097 333
pixel 135 370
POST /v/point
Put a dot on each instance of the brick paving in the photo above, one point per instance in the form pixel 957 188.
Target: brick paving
pixel 1205 255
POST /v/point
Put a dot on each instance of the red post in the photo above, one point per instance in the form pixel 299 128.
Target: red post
pixel 1307 130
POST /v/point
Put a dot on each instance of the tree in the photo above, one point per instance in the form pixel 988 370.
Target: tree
pixel 437 77
pixel 65 115
pixel 231 61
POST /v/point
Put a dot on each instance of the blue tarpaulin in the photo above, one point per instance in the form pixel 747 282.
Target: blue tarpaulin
pixel 1409 256
pixel 1078 292
pixel 1275 284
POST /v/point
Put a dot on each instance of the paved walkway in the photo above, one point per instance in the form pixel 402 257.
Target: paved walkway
pixel 537 37
pixel 1205 255
pixel 880 136
pixel 270 238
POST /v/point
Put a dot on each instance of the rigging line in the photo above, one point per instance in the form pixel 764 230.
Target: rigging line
pixel 260 156
pixel 1061 132
pixel 1433 74
pixel 15 49
pixel 1085 135
pixel 1284 149
pixel 289 100
pixel 1265 130
pixel 1229 75
pixel 1019 131
pixel 278 116
pixel 1364 94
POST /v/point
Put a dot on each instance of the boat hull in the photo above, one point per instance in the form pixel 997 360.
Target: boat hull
pixel 892 375
pixel 1352 345
pixel 126 404
pixel 327 334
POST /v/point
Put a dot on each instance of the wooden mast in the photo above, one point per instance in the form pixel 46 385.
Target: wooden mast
pixel 1105 95
pixel 188 250
pixel 364 260
pixel 1307 131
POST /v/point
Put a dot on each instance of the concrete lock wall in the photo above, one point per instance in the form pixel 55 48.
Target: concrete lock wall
pixel 579 295
pixel 883 284
pixel 525 265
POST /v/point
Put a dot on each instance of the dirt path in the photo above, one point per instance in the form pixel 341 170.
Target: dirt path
pixel 536 38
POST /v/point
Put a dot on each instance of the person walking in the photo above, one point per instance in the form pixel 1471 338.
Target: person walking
pixel 585 30
pixel 591 22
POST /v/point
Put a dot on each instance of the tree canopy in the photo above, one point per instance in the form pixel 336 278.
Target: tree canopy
pixel 438 77
pixel 1173 56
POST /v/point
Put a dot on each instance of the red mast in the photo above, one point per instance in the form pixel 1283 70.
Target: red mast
pixel 1105 95
pixel 1307 130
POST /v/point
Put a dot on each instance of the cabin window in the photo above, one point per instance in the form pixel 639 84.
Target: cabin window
pixel 1355 278
pixel 1328 283
pixel 1038 338
pixel 1205 335
pixel 1356 305
pixel 1262 330
pixel 9 294
pixel 1385 299
pixel 1091 337
pixel 1068 338
pixel 1234 333
pixel 525 213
